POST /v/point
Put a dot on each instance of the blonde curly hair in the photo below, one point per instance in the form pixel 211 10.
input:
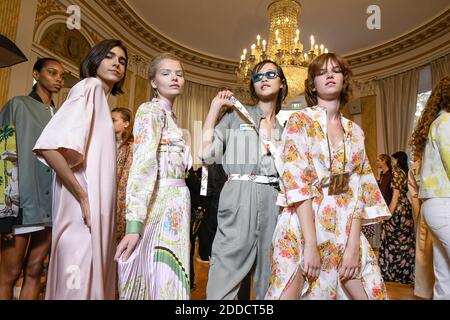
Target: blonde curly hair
pixel 439 100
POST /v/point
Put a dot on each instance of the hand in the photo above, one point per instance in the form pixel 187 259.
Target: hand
pixel 349 267
pixel 311 267
pixel 127 246
pixel 85 210
pixel 222 99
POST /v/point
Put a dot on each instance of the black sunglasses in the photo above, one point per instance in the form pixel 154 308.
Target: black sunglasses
pixel 271 74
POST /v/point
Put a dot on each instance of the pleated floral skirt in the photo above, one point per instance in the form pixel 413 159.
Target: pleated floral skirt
pixel 158 269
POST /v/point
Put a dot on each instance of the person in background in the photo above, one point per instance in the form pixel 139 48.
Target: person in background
pixel 372 232
pixel 397 249
pixel 384 163
pixel 123 127
pixel 26 233
pixel 198 213
pixel 79 144
pixel 431 143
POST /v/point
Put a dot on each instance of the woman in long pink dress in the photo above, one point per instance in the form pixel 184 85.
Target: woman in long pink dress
pixel 79 144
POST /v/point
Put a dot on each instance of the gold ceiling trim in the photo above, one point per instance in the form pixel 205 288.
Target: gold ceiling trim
pixel 434 29
pixel 124 15
pixel 420 36
pixel 417 57
pixel 129 19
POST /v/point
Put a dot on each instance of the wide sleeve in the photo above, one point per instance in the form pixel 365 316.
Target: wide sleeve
pixel 443 143
pixel 217 148
pixel 298 173
pixel 144 169
pixel 370 206
pixel 69 129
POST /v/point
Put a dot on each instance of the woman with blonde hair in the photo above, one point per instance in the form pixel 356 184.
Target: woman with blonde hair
pixel 153 256
pixel 431 143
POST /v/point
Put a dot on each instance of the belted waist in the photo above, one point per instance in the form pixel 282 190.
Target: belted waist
pixel 170 148
pixel 271 180
pixel 172 183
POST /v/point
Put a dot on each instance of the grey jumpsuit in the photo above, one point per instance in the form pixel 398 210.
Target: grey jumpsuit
pixel 247 211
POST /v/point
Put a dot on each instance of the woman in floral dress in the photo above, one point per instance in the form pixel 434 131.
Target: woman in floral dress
pixel 398 245
pixel 328 192
pixel 153 256
pixel 123 127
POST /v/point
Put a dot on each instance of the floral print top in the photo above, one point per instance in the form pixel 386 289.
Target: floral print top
pixel 124 161
pixel 160 152
pixel 435 172
pixel 305 166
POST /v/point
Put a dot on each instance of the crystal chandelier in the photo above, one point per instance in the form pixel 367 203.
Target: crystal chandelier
pixel 284 47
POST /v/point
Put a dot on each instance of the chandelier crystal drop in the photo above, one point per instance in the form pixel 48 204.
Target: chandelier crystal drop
pixel 284 47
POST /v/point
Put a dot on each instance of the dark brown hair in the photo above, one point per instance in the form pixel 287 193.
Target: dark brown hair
pixel 313 71
pixel 126 115
pixel 40 64
pixel 402 161
pixel 94 58
pixel 439 100
pixel 282 94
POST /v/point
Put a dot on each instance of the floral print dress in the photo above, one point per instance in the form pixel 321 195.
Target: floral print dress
pixel 124 161
pixel 304 168
pixel 398 244
pixel 158 207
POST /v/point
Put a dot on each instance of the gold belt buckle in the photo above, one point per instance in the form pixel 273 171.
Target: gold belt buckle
pixel 339 184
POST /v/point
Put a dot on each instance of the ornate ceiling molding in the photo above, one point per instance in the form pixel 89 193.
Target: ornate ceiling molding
pixel 378 61
pixel 436 28
pixel 46 8
pixel 129 19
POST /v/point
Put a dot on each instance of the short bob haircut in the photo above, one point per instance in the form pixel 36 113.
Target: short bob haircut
pixel 313 71
pixel 92 61
pixel 282 94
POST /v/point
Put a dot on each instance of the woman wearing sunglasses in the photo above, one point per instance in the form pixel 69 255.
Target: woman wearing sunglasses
pixel 247 207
